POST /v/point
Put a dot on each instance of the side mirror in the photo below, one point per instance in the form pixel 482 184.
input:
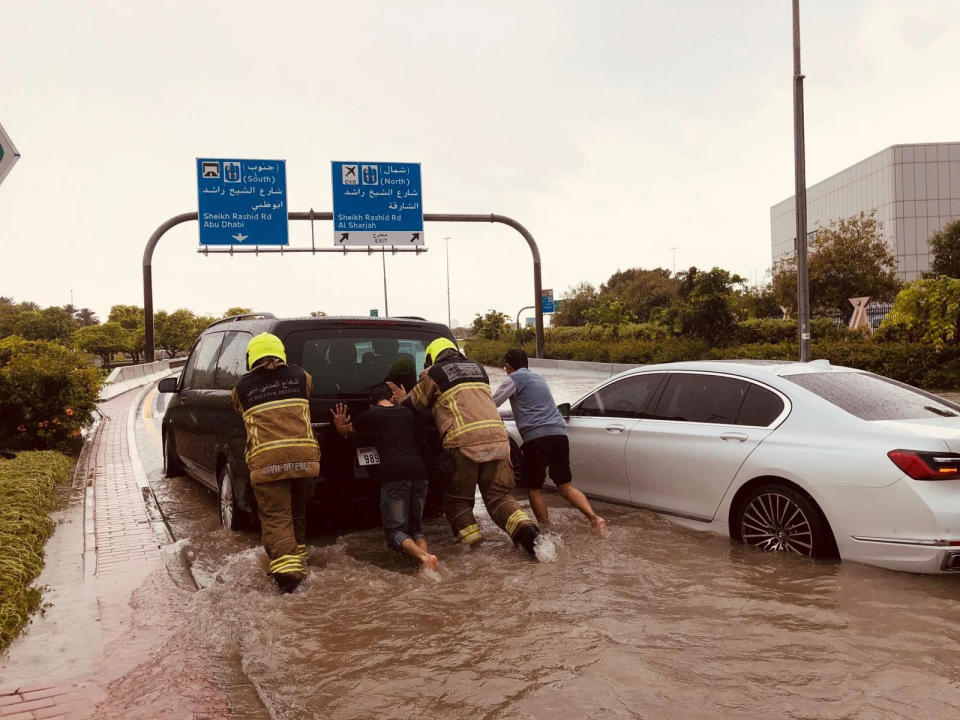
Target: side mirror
pixel 168 385
pixel 564 409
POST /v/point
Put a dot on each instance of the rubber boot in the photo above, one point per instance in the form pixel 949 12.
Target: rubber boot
pixel 287 582
pixel 526 536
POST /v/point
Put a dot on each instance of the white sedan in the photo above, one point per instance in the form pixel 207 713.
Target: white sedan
pixel 808 458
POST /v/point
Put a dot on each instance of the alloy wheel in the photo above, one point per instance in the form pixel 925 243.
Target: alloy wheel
pixel 226 500
pixel 774 522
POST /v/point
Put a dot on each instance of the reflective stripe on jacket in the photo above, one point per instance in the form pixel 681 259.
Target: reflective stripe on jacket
pixel 273 401
pixel 457 391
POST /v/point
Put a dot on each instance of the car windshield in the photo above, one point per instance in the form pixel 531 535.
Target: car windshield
pixel 873 397
pixel 351 362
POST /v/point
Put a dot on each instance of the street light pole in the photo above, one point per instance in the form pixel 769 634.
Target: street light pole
pixel 800 181
pixel 674 260
pixel 446 242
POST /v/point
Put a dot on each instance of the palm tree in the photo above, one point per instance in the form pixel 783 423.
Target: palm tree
pixel 86 316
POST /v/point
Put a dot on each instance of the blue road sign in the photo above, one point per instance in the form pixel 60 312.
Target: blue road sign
pixel 376 203
pixel 546 301
pixel 242 202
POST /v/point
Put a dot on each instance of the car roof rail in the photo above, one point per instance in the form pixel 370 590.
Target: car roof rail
pixel 247 316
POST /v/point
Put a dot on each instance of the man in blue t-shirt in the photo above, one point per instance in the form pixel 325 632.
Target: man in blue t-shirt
pixel 544 434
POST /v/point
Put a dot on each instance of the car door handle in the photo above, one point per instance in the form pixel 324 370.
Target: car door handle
pixel 615 428
pixel 742 437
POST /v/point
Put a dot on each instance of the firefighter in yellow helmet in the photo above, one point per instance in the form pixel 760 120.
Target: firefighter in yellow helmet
pixel 457 391
pixel 282 453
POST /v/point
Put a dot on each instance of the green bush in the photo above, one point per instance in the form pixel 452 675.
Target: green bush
pixel 27 496
pixel 489 352
pixel 47 393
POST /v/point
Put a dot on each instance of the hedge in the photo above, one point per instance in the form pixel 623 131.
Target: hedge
pixel 28 486
pixel 47 394
pixel 913 363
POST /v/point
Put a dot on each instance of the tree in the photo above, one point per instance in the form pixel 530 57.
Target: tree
pixel 52 323
pixel 175 331
pixel 641 291
pixel 491 326
pixel 849 258
pixel 103 340
pixel 318 313
pixel 201 323
pixel 707 311
pixel 128 316
pixel 926 310
pixel 86 316
pixel 576 302
pixel 232 312
pixel 609 312
pixel 945 245
pixel 756 302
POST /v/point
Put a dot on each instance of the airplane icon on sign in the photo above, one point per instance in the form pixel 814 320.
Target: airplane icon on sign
pixel 239 238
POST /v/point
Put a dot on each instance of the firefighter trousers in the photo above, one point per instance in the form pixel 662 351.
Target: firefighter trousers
pixel 495 480
pixel 282 506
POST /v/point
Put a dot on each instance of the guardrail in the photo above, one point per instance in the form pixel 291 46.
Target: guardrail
pixel 593 368
pixel 129 377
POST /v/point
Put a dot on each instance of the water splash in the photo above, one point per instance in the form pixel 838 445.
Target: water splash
pixel 547 546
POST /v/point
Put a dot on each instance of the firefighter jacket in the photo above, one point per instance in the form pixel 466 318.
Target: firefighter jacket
pixel 273 401
pixel 457 391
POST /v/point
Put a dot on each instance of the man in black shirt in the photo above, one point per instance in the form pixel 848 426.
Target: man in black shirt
pixel 391 430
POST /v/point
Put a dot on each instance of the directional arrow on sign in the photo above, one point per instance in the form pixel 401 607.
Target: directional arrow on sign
pixel 239 238
pixel 344 237
pixel 8 154
pixel 415 237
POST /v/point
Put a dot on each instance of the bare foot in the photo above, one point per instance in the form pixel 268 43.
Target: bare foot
pixel 421 543
pixel 599 524
pixel 429 561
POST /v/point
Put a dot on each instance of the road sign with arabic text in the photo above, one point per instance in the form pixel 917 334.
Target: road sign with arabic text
pixel 242 202
pixel 377 203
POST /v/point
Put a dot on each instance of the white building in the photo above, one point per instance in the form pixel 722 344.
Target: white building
pixel 915 190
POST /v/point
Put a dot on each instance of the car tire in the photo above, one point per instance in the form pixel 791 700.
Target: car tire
pixel 172 467
pixel 778 518
pixel 231 516
pixel 516 460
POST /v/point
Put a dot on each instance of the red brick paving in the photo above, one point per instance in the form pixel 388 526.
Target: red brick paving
pixel 40 702
pixel 122 532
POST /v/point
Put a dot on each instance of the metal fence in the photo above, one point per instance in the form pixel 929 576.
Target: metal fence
pixel 876 312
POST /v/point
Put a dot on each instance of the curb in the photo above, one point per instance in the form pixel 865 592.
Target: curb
pixel 152 509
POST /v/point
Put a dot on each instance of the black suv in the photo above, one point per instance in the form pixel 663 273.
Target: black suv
pixel 204 436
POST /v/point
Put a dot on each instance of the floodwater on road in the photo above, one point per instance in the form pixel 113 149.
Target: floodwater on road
pixel 652 620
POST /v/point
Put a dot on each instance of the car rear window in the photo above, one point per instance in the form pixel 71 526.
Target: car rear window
pixel 873 397
pixel 352 361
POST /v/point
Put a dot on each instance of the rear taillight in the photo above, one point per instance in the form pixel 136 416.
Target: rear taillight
pixel 927 465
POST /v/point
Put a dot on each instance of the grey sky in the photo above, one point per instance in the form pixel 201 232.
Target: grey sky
pixel 612 130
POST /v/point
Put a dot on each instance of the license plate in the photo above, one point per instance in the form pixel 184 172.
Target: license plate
pixel 368 456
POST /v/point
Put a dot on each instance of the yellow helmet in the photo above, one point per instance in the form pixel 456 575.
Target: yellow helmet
pixel 264 345
pixel 437 347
